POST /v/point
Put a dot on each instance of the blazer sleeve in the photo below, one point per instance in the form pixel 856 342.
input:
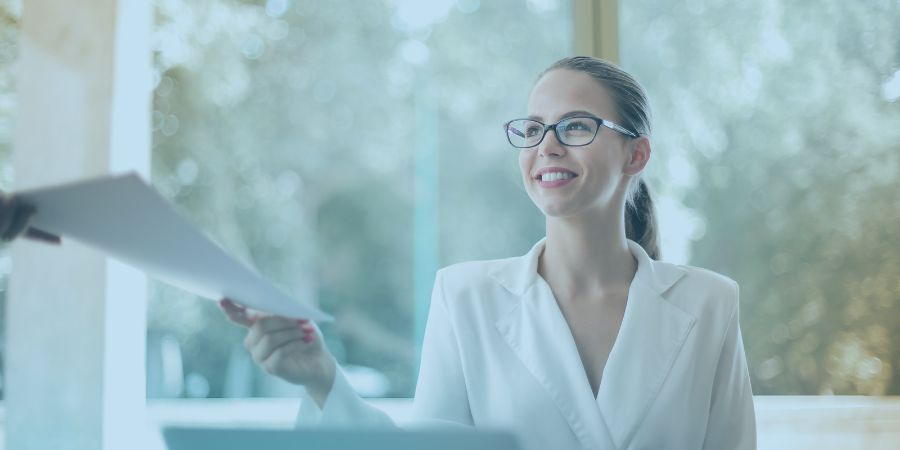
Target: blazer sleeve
pixel 732 417
pixel 343 407
pixel 440 392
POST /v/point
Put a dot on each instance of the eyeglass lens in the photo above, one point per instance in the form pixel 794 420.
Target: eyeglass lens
pixel 574 131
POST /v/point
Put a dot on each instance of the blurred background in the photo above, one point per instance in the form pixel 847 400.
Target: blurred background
pixel 347 150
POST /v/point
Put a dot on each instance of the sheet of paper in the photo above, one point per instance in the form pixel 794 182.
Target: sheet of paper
pixel 128 220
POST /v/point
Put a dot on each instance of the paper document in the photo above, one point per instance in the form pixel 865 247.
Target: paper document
pixel 128 220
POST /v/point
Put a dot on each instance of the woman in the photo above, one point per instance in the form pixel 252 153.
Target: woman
pixel 584 342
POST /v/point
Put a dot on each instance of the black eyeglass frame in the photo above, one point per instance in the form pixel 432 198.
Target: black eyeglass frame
pixel 554 126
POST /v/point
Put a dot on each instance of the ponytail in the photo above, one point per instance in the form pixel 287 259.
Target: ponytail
pixel 640 220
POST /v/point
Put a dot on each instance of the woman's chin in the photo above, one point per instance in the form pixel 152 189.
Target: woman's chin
pixel 557 209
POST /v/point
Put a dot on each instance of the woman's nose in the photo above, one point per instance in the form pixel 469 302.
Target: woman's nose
pixel 551 146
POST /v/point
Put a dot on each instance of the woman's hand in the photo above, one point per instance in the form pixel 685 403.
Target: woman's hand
pixel 287 348
pixel 14 218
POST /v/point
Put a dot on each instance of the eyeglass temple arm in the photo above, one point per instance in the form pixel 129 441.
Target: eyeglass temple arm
pixel 618 128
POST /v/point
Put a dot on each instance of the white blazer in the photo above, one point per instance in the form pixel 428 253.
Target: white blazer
pixel 498 353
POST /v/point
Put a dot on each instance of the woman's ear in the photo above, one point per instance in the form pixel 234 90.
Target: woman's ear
pixel 639 149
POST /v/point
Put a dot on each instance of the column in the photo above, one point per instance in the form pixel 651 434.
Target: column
pixel 76 322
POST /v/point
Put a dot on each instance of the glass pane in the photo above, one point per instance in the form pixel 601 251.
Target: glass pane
pixel 777 137
pixel 346 150
pixel 9 17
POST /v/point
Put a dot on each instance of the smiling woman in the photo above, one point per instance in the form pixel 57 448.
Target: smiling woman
pixel 592 330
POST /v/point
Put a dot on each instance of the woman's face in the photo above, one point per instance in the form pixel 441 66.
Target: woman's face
pixel 600 167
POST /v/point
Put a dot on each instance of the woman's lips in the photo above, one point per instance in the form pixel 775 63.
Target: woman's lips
pixel 555 183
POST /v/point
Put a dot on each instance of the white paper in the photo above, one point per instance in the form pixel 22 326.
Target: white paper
pixel 128 220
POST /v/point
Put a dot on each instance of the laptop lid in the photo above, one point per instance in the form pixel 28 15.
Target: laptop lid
pixel 194 438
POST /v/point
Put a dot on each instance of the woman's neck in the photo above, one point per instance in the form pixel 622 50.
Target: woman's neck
pixel 587 257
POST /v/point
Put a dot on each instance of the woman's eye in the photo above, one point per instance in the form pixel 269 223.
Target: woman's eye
pixel 532 131
pixel 577 126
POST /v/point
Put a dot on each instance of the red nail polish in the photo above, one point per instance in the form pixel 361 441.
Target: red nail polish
pixel 307 339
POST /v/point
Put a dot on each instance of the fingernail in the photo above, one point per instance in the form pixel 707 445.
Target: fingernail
pixel 307 339
pixel 302 320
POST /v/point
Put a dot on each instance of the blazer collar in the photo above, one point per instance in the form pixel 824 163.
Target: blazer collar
pixel 518 274
pixel 651 336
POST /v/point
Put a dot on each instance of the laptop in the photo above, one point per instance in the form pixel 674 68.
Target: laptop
pixel 194 438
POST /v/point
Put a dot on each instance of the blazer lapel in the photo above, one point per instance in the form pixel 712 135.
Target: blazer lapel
pixel 652 334
pixel 538 334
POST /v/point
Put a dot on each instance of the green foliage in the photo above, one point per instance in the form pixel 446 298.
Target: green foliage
pixel 290 134
pixel 781 108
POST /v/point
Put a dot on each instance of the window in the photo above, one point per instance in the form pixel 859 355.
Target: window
pixel 346 150
pixel 8 34
pixel 777 130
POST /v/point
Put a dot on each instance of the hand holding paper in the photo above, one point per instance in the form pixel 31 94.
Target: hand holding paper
pixel 128 220
pixel 14 221
pixel 288 349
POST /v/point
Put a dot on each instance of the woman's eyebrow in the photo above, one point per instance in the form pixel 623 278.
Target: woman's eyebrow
pixel 566 115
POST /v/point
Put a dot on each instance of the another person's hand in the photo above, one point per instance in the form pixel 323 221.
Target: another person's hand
pixel 288 348
pixel 14 219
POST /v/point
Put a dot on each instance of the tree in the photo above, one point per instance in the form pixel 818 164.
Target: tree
pixel 780 108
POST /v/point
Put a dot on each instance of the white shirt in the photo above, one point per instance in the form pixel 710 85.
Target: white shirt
pixel 498 352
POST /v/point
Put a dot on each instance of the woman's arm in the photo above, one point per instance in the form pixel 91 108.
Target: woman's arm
pixel 732 418
pixel 294 351
pixel 441 395
pixel 342 407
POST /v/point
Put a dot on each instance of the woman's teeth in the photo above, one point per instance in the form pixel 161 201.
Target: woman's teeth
pixel 553 176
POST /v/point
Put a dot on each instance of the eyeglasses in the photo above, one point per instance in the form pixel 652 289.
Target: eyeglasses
pixel 571 131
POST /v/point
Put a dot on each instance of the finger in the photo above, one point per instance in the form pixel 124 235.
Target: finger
pixel 236 313
pixel 275 361
pixel 264 325
pixel 271 323
pixel 273 341
pixel 308 330
pixel 274 364
pixel 42 236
